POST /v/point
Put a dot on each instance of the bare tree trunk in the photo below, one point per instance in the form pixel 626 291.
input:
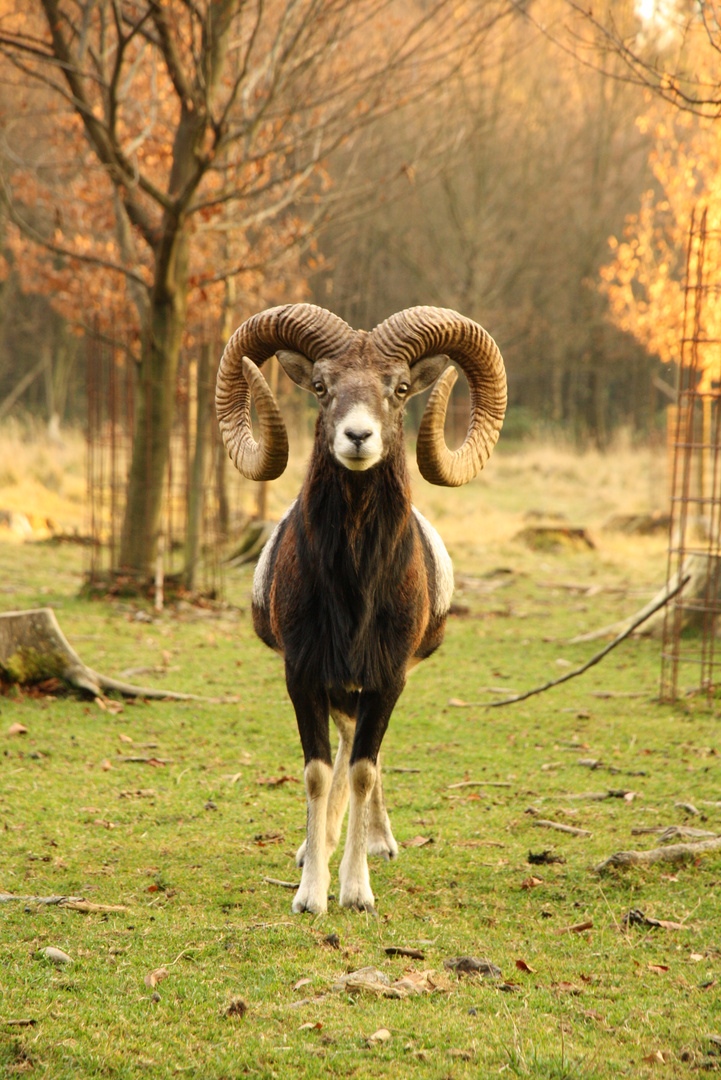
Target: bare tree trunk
pixel 155 410
pixel 196 494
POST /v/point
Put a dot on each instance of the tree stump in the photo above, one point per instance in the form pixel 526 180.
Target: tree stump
pixel 33 648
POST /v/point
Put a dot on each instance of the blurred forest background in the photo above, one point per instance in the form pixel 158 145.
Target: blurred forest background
pixel 167 169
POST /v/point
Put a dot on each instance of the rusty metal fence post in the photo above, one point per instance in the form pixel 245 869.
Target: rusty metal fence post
pixel 694 552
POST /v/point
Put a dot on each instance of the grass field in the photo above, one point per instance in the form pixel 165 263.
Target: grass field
pixel 186 839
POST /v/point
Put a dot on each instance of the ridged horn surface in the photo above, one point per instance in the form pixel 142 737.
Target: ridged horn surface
pixel 427 331
pixel 302 328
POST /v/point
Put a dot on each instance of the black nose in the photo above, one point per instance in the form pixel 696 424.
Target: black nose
pixel 357 437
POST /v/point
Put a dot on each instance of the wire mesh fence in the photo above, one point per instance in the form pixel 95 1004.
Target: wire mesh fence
pixel 201 504
pixel 689 653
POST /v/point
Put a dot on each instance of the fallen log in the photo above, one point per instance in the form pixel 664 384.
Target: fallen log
pixel 675 853
pixel 699 578
pixel 72 903
pixel 33 648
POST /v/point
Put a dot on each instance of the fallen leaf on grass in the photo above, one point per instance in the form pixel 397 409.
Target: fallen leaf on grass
pixel 655 1058
pixel 417 841
pixel 523 966
pixel 531 882
pixel 302 982
pixel 660 969
pixel 17 729
pixel 371 980
pixel 421 982
pixel 124 738
pixel 311 1026
pixel 400 950
pixel 57 955
pixel 154 977
pixel 275 781
pixel 380 1036
pixel 696 957
pixel 566 988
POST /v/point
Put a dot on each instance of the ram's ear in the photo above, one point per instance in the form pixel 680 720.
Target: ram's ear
pixel 426 371
pixel 297 367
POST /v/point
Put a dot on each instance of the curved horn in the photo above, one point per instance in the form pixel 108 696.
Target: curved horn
pixel 303 328
pixel 427 331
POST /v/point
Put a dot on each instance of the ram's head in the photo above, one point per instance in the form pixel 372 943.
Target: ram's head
pixel 362 381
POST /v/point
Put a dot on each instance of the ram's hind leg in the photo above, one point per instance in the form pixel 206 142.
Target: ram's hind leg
pixel 380 836
pixel 374 710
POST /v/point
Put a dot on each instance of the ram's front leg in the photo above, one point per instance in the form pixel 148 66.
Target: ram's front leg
pixel 312 893
pixel 311 709
pixel 374 711
pixel 338 794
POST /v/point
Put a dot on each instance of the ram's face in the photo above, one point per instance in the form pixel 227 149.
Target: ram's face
pixel 361 411
pixel 362 399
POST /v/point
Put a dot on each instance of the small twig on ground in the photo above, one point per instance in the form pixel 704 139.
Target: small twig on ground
pixel 645 614
pixel 676 853
pixel 578 928
pixel 543 823
pixel 281 884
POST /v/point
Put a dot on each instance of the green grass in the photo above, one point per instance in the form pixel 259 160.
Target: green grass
pixel 186 845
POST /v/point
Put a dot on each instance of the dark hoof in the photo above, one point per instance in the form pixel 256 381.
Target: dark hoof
pixel 367 908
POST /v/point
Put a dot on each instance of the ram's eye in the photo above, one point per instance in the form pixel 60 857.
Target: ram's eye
pixel 402 389
pixel 319 388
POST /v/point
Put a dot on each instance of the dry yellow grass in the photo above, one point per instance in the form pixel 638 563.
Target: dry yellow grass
pixel 41 479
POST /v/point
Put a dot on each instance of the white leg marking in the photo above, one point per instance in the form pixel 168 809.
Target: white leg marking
pixel 338 796
pixel 312 894
pixel 380 837
pixel 355 888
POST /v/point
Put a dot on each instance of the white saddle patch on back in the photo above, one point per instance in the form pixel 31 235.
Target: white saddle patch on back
pixel 262 569
pixel 444 566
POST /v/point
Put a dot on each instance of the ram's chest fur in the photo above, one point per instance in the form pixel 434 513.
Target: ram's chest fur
pixel 370 577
